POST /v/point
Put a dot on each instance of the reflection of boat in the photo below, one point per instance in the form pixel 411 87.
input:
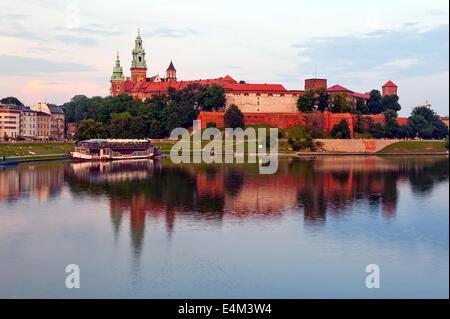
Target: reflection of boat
pixel 113 149
pixel 112 171
pixel 8 163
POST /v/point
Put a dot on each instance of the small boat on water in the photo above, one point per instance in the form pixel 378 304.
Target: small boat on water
pixel 113 149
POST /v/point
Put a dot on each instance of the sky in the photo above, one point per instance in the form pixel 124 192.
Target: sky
pixel 53 50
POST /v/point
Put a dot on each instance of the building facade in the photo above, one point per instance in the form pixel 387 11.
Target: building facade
pixel 9 121
pixel 43 125
pixel 57 119
pixel 28 122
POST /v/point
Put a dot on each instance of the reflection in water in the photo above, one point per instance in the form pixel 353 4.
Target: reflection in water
pixel 198 197
pixel 41 181
pixel 208 193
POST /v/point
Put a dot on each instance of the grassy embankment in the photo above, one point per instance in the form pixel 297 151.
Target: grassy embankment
pixel 415 147
pixel 24 151
pixel 283 146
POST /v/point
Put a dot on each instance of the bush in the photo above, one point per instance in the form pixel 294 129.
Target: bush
pixel 211 124
pixel 6 137
pixel 378 131
pixel 302 144
pixel 341 130
pixel 20 138
pixel 233 117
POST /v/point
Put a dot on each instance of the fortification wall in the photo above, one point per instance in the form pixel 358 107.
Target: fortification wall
pixel 324 120
pixel 355 145
pixel 263 102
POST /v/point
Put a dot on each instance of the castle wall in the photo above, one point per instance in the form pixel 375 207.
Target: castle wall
pixel 324 120
pixel 263 102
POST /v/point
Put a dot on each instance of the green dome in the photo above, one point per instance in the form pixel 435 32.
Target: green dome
pixel 117 71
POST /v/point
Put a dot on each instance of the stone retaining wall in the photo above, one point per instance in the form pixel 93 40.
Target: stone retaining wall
pixel 355 145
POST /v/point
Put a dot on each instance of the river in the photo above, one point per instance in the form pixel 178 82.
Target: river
pixel 154 229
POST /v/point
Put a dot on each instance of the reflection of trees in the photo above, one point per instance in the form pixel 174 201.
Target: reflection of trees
pixel 423 177
pixel 208 193
pixel 332 187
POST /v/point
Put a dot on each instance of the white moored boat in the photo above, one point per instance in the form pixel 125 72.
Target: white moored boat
pixel 113 149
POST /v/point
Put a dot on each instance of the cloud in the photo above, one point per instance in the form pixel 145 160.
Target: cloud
pixel 36 84
pixel 172 33
pixel 72 39
pixel 19 65
pixel 390 51
pixel 400 63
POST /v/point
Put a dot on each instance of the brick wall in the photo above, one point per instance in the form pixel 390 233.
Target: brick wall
pixel 325 120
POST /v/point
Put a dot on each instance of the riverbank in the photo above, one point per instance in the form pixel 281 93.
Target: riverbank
pixel 59 151
pixel 33 149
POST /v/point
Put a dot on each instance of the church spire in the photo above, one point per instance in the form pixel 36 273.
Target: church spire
pixel 117 71
pixel 138 64
pixel 171 72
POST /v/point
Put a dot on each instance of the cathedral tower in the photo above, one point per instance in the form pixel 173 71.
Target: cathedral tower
pixel 138 64
pixel 117 79
pixel 171 73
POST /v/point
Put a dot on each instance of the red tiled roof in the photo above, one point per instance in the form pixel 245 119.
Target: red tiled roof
pixel 361 95
pixel 128 85
pixel 229 79
pixel 390 83
pixel 253 87
pixel 158 87
pixel 338 88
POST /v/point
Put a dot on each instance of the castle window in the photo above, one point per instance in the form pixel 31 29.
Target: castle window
pixel 118 88
pixel 140 59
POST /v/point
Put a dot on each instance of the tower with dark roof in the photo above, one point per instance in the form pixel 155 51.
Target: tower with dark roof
pixel 171 73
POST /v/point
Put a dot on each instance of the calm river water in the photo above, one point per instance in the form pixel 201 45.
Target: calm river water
pixel 159 230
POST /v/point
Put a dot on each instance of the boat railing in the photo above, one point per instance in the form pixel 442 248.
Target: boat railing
pixel 116 154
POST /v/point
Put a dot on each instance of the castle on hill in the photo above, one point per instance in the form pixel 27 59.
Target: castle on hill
pixel 249 97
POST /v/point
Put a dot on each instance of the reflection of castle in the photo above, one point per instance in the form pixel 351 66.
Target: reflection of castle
pixel 148 192
pixel 37 180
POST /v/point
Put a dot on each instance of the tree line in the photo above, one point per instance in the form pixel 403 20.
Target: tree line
pixel 423 123
pixel 337 102
pixel 155 117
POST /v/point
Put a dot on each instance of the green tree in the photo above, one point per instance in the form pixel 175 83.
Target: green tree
pixel 392 128
pixel 426 124
pixel 5 137
pixel 305 102
pixel 339 102
pixel 172 122
pixel 390 102
pixel 89 129
pixel 341 130
pixel 377 131
pixel 156 129
pixel 322 98
pixel 233 117
pixel 11 100
pixel 374 102
pixel 120 125
pixel 213 97
pixel 361 106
